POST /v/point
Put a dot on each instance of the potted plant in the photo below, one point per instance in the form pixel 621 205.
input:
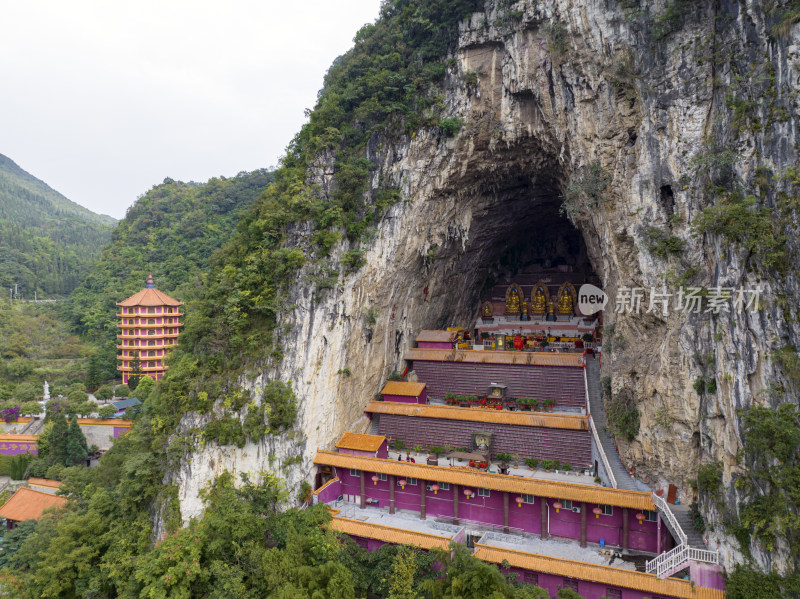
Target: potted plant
pixel 547 465
pixel 419 448
pixel 566 467
pixel 436 450
pixel 462 401
pixel 549 403
pixel 532 463
pixel 450 398
pixel 515 460
pixel 556 465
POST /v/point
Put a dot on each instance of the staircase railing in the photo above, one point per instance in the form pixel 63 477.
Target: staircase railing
pixel 668 562
pixel 602 452
pixel 663 507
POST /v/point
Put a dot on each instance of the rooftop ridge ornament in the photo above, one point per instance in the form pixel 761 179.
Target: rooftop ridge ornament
pixel 150 284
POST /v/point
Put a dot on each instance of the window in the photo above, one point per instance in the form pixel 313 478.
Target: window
pixel 570 583
pixel 606 510
pixel 151 332
pixel 650 516
pixel 151 342
pixel 444 486
pixel 151 321
pixel 527 498
pixel 566 504
pixel 354 472
pixel 151 310
pixel 531 578
pixel 151 353
pixel 484 493
pixel 411 481
pixel 381 476
pixel 613 593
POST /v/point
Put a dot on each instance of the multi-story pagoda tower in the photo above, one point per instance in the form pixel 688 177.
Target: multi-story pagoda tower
pixel 149 327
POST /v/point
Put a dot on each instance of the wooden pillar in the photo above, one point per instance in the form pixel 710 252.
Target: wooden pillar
pixel 391 493
pixel 625 528
pixel 543 502
pixel 583 524
pixel 422 499
pixel 658 532
pixel 456 493
pixel 505 512
pixel 363 492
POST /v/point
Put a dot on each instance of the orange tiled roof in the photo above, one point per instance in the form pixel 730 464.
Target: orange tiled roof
pixel 10 438
pixel 388 534
pixel 104 422
pixel 150 297
pixel 45 482
pixel 496 357
pixel 486 480
pixel 431 336
pixel 562 421
pixel 360 442
pixel 648 583
pixel 28 504
pixel 403 388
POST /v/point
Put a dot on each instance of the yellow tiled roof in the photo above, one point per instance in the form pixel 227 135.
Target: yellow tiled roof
pixel 388 534
pixel 563 421
pixel 150 297
pixel 495 357
pixel 28 504
pixel 486 480
pixel 403 388
pixel 45 482
pixel 648 583
pixel 432 336
pixel 360 442
pixel 10 438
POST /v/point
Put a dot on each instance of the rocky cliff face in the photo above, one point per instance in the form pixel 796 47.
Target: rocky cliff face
pixel 559 99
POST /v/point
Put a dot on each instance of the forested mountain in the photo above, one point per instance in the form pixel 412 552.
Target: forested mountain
pixel 47 242
pixel 171 231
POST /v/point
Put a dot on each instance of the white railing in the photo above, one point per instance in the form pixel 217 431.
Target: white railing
pixel 663 506
pixel 586 389
pixel 668 562
pixel 602 453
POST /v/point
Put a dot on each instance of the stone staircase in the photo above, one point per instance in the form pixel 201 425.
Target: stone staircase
pixel 683 516
pixel 598 413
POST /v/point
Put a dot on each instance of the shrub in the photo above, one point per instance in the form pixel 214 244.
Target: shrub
pixel 107 411
pixel 353 260
pixel 451 126
pixel 663 245
pixel 104 392
pixel 584 192
pixel 623 414
pixel 29 408
pixel 548 464
pixel 699 385
pixel 532 463
pixel 122 391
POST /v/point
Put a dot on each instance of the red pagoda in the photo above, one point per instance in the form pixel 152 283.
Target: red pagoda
pixel 149 327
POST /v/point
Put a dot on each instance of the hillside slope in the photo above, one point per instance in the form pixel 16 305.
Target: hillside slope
pixel 47 242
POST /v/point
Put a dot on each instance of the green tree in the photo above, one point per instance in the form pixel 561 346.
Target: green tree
pixel 401 582
pixel 77 449
pixel 135 374
pixel 25 392
pixel 57 440
pixel 29 408
pixel 77 396
pixel 144 387
pixel 122 391
pixel 12 539
pixel 104 392
pixel 107 411
pixel 93 373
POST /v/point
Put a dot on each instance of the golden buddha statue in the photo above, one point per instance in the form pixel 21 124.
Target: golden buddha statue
pixel 487 310
pixel 512 302
pixel 565 302
pixel 539 302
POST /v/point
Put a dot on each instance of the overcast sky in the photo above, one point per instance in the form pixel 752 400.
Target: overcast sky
pixel 102 100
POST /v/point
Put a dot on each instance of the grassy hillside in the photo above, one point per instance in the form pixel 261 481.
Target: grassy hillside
pixel 47 242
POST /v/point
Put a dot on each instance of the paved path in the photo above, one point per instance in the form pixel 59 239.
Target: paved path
pixel 598 411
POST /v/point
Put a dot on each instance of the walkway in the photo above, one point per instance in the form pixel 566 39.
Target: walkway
pixel 598 412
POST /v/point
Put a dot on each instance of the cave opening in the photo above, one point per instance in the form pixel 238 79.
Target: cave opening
pixel 518 235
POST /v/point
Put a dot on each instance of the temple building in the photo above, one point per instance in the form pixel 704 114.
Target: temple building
pixel 149 326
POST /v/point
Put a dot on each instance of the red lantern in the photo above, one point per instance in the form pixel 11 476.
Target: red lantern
pixel 557 505
pixel 402 483
pixel 468 492
pixel 519 501
pixel 435 489
pixel 640 517
pixel 375 479
pixel 597 511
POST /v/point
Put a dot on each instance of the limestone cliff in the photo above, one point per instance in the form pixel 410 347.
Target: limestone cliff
pixel 560 99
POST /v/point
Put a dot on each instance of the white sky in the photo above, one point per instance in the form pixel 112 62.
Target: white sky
pixel 102 100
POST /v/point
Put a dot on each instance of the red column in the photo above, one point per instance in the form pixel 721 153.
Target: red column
pixel 625 527
pixel 422 500
pixel 543 531
pixel 391 493
pixel 363 492
pixel 455 503
pixel 658 533
pixel 505 512
pixel 583 524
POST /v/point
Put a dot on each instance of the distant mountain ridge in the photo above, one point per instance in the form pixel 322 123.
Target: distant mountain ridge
pixel 47 242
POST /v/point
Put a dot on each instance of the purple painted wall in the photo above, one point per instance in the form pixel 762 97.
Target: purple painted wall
pixel 434 345
pixel 330 492
pixel 564 383
pixel 421 398
pixel 586 588
pixel 489 510
pixel 706 575
pixel 573 447
pixel 120 430
pixel 383 451
pixel 18 447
